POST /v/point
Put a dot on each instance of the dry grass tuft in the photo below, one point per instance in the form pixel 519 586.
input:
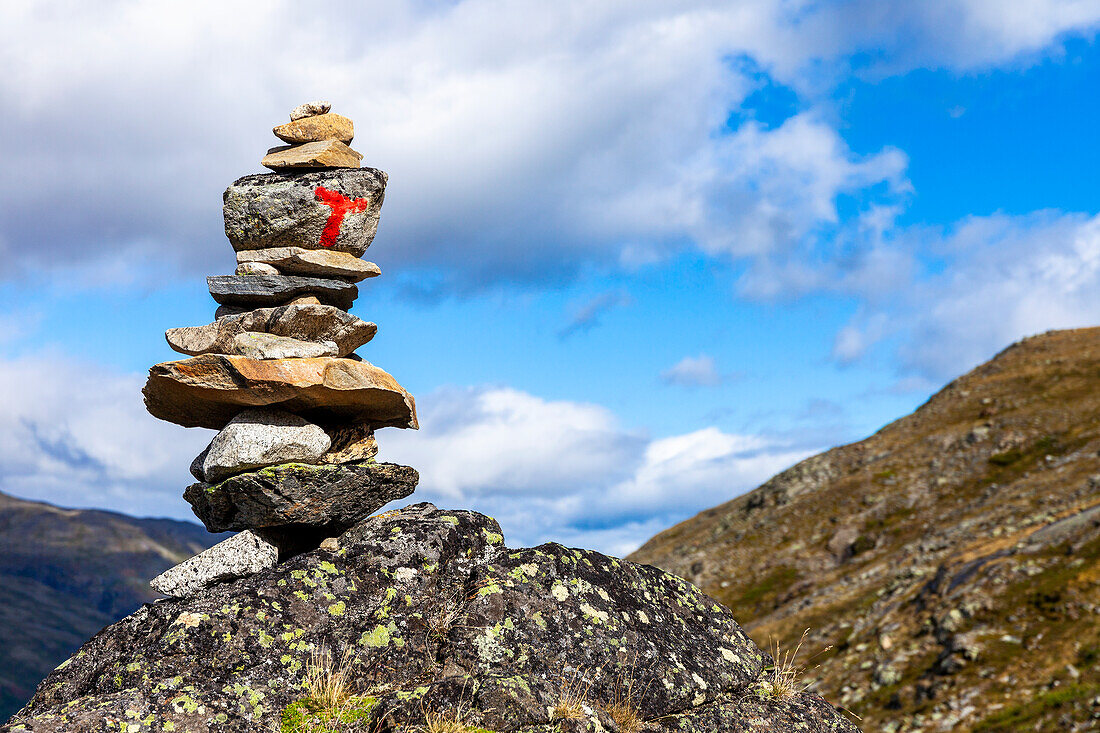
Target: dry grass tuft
pixel 327 681
pixel 783 680
pixel 574 696
pixel 623 707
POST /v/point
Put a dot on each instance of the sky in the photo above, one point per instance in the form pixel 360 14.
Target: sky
pixel 637 257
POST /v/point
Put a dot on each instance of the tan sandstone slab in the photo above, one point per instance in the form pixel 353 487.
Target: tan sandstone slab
pixel 316 128
pixel 302 261
pixel 208 391
pixel 325 154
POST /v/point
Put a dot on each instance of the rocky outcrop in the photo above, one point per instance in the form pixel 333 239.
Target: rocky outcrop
pixel 432 616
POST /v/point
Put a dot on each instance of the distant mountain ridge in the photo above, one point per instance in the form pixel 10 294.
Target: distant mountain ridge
pixel 952 558
pixel 66 573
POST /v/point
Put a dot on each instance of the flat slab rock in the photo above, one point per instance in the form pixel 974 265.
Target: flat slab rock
pixel 323 154
pixel 208 391
pixel 242 554
pixel 302 322
pixel 316 262
pixel 275 290
pixel 331 209
pixel 440 615
pixel 314 128
pixel 325 498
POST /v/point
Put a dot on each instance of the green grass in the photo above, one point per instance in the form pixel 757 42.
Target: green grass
pixel 1024 715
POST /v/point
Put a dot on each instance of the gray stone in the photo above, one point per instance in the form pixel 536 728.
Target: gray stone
pixel 224 311
pixel 209 390
pixel 289 210
pixel 323 154
pixel 309 109
pixel 267 346
pixel 239 556
pixel 274 290
pixel 196 465
pixel 260 437
pixel 317 262
pixel 304 322
pixel 256 268
pixel 350 444
pixel 325 499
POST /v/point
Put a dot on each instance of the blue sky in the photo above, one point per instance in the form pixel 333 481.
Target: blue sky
pixel 636 257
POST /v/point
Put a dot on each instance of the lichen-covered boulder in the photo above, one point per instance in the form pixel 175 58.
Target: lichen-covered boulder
pixel 435 620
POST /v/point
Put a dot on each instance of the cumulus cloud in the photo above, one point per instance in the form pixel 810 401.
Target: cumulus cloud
pixel 525 140
pixel 569 472
pixel 693 371
pixel 1001 278
pixel 78 435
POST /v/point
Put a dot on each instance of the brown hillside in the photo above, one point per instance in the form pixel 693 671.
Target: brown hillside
pixel 950 558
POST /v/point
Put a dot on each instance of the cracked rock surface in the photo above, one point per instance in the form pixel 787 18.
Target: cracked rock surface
pixel 437 616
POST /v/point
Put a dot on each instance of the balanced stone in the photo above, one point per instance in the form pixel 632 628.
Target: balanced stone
pixel 196 465
pixel 350 444
pixel 334 209
pixel 309 109
pixel 208 391
pixel 328 498
pixel 256 268
pixel 272 290
pixel 258 437
pixel 303 322
pixel 301 261
pixel 243 554
pixel 316 128
pixel 266 346
pixel 324 154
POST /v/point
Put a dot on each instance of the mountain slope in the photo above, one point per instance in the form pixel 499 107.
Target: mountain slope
pixel 951 558
pixel 65 574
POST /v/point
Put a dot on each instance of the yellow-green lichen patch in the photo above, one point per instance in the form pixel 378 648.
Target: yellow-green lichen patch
pixel 379 636
pixel 337 609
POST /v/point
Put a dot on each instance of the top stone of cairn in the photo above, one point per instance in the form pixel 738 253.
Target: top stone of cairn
pixel 318 139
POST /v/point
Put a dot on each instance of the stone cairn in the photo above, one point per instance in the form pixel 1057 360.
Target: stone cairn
pixel 276 373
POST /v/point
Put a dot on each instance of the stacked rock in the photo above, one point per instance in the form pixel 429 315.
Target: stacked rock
pixel 276 373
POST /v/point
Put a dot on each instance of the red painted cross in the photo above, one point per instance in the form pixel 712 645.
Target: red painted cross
pixel 340 205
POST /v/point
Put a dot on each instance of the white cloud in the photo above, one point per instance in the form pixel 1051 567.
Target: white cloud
pixel 564 471
pixel 1002 278
pixel 78 435
pixel 693 371
pixel 524 140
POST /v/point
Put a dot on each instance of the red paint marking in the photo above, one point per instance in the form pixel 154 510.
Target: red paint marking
pixel 340 205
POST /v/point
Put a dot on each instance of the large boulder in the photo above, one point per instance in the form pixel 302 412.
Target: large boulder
pixel 208 391
pixel 304 322
pixel 336 209
pixel 433 618
pixel 298 495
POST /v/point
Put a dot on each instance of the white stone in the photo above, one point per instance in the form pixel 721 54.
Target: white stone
pixel 258 437
pixel 242 554
pixel 256 268
pixel 310 109
pixel 257 345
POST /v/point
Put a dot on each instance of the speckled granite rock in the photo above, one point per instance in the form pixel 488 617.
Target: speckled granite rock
pixel 260 437
pixel 328 499
pixel 440 616
pixel 242 554
pixel 336 209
